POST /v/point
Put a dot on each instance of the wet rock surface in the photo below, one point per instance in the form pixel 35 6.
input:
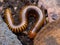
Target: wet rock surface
pixel 6 36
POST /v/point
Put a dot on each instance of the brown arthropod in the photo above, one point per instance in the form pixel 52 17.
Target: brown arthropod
pixel 32 33
pixel 10 22
pixel 24 21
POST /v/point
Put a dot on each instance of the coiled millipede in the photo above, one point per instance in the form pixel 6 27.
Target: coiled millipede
pixel 24 22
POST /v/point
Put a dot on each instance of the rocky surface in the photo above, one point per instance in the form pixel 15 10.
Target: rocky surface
pixel 6 36
pixel 49 35
pixel 52 7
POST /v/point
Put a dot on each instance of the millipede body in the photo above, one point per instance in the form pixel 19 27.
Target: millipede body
pixel 39 22
pixel 10 21
pixel 24 22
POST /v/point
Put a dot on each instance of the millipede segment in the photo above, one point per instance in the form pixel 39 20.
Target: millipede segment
pixel 10 22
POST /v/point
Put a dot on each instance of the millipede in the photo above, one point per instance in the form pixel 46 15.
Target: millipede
pixel 24 22
pixel 10 21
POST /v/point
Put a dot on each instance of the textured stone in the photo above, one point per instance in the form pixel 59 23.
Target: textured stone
pixel 52 6
pixel 6 36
